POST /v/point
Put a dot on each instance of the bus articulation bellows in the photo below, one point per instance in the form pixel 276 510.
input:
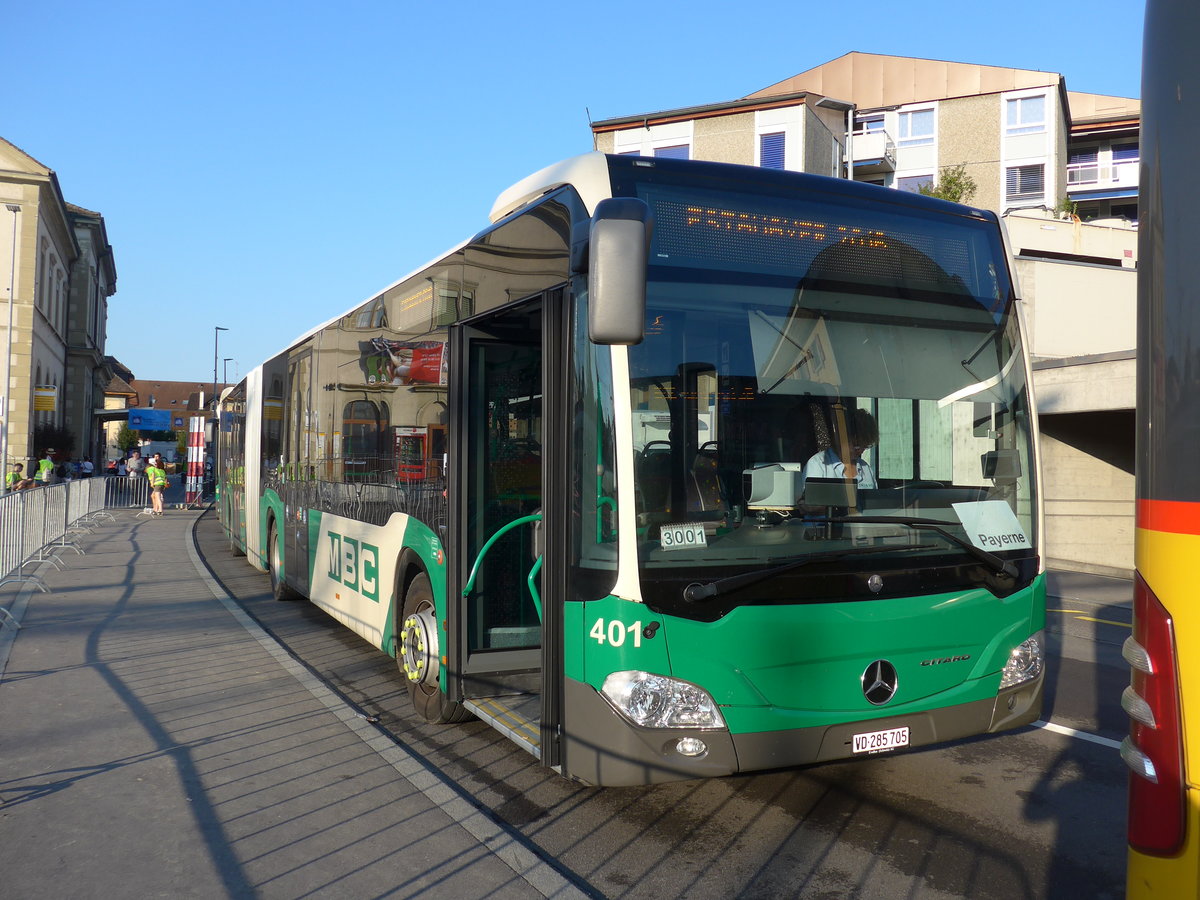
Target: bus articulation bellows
pixel 677 469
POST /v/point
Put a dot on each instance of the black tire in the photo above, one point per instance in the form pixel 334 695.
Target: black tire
pixel 417 656
pixel 279 587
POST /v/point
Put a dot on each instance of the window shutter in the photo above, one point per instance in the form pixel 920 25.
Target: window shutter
pixel 1025 182
pixel 1124 152
pixel 770 150
pixel 679 152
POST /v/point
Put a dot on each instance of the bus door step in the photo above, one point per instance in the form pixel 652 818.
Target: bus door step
pixel 516 716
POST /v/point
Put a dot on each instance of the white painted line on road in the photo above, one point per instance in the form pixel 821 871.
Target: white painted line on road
pixel 542 877
pixel 1082 735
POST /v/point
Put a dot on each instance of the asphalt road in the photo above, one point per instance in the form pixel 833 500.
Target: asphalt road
pixel 1034 813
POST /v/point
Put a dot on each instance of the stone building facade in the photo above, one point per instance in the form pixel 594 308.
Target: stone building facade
pixel 57 273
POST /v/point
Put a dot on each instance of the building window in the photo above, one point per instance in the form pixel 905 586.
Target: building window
pixel 868 124
pixel 1124 153
pixel 916 128
pixel 40 297
pixel 770 150
pixel 1083 166
pixel 1025 183
pixel 373 315
pixel 679 151
pixel 1026 115
pixel 1125 211
pixel 914 183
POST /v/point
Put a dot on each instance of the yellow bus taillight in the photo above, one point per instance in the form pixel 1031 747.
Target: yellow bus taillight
pixel 1154 748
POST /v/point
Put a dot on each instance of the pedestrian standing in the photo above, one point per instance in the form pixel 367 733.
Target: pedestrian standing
pixel 158 483
pixel 86 468
pixel 135 464
pixel 45 472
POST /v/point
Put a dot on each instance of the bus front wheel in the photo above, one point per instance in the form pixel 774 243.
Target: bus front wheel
pixel 417 656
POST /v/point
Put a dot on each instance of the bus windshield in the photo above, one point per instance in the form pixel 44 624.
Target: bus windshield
pixel 811 376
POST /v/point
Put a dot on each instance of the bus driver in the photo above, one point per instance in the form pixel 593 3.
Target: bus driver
pixel 854 433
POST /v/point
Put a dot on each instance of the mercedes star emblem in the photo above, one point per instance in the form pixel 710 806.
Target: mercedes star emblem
pixel 879 682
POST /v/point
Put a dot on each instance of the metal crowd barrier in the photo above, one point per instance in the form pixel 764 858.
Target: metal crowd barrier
pixel 36 521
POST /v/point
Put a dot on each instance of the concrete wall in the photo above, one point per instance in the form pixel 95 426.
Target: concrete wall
pixel 1083 330
pixel 1073 308
pixel 1078 310
pixel 1088 486
pixel 1045 231
pixel 1088 384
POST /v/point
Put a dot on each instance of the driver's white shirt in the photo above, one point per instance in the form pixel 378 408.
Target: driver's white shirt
pixel 827 464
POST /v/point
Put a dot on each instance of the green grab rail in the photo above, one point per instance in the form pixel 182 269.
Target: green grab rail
pixel 533 591
pixel 537 566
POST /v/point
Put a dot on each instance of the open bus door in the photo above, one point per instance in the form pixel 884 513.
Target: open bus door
pixel 507 520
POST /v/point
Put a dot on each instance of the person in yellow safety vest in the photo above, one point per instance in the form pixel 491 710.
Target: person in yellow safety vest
pixel 45 472
pixel 158 483
pixel 16 480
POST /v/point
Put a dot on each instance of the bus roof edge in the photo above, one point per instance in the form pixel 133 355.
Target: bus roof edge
pixel 588 173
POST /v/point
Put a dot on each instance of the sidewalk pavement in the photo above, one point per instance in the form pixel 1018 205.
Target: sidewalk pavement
pixel 155 742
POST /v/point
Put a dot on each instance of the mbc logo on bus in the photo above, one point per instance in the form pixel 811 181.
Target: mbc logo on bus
pixel 354 564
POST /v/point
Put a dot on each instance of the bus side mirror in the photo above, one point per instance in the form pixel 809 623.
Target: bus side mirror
pixel 619 246
pixel 1001 465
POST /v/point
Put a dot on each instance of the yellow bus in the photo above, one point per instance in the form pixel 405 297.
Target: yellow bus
pixel 1163 699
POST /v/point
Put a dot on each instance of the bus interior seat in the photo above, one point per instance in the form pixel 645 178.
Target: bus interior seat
pixel 654 476
pixel 704 491
pixel 702 485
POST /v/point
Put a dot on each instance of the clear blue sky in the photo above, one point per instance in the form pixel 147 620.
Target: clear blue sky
pixel 265 165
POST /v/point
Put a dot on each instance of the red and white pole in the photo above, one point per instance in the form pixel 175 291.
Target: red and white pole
pixel 195 459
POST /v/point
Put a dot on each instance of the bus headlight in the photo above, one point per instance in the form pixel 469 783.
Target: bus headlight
pixel 1024 663
pixel 656 701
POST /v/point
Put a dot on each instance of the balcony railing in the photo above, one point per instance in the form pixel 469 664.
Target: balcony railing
pixel 874 151
pixel 1091 174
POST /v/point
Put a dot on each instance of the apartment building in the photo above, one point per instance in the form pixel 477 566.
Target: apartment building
pixel 1059 166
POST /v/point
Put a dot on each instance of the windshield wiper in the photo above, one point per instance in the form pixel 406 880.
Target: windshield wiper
pixel 695 592
pixel 998 565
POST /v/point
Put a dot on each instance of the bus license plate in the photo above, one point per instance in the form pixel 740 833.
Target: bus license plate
pixel 874 741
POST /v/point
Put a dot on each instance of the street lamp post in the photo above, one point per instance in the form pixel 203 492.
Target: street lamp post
pixel 225 370
pixel 217 329
pixel 12 278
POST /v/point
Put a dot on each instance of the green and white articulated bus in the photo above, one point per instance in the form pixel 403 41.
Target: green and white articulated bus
pixel 567 473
